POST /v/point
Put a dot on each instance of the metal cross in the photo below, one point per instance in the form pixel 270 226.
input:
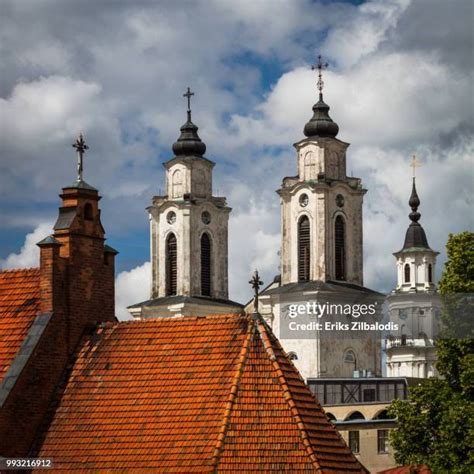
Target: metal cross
pixel 189 94
pixel 415 163
pixel 256 283
pixel 320 67
pixel 81 147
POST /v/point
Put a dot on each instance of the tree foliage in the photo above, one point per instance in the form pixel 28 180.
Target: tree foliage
pixel 436 424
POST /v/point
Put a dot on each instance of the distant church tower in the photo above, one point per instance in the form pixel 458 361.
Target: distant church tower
pixel 321 209
pixel 321 255
pixel 189 236
pixel 414 305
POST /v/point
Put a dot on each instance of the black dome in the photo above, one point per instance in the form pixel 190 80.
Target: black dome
pixel 415 236
pixel 321 124
pixel 189 143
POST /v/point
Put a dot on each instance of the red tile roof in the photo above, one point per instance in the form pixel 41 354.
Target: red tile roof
pixel 409 469
pixel 192 394
pixel 19 304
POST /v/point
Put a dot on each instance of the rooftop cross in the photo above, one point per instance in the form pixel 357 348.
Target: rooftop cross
pixel 256 283
pixel 415 163
pixel 189 94
pixel 320 67
pixel 81 147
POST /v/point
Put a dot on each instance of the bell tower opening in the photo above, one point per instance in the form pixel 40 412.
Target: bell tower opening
pixel 171 265
pixel 206 249
pixel 304 249
pixel 340 248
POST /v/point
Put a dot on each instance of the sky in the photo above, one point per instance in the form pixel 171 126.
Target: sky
pixel 399 81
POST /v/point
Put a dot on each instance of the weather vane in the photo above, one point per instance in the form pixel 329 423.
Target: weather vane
pixel 256 283
pixel 81 147
pixel 188 95
pixel 320 67
pixel 415 163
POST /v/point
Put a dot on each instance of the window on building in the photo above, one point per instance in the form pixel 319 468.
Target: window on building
pixel 330 416
pixel 205 265
pixel 354 443
pixel 310 166
pixel 349 357
pixel 407 273
pixel 369 394
pixel 340 248
pixel 304 254
pixel 292 356
pixel 382 441
pixel 88 212
pixel 430 273
pixel 171 265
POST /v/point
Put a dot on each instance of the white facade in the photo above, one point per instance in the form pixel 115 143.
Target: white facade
pixel 320 195
pixel 188 211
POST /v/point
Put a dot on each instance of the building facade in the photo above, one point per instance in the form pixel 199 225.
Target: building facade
pixel 414 305
pixel 322 257
pixel 188 236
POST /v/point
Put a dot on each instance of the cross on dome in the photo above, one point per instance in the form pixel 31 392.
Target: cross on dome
pixel 415 163
pixel 320 66
pixel 188 95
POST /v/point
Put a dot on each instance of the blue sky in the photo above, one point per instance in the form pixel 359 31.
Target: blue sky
pixel 399 82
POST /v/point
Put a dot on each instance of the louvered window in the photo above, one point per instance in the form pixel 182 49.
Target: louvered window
pixel 304 254
pixel 340 248
pixel 171 265
pixel 407 273
pixel 205 265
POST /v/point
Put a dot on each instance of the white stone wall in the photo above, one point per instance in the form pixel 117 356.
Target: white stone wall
pixel 323 156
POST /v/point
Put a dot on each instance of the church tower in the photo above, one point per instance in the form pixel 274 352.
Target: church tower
pixel 321 220
pixel 414 305
pixel 189 235
pixel 321 258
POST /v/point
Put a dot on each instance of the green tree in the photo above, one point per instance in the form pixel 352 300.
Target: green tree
pixel 436 424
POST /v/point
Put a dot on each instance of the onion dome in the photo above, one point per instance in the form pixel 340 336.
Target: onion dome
pixel 189 143
pixel 415 236
pixel 321 124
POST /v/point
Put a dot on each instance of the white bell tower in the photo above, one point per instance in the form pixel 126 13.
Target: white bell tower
pixel 414 306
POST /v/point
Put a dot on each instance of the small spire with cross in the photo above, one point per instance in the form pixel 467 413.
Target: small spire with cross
pixel 415 163
pixel 320 67
pixel 256 283
pixel 81 147
pixel 188 95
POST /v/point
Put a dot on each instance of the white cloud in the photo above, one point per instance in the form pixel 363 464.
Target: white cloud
pixel 28 256
pixel 361 33
pixel 132 287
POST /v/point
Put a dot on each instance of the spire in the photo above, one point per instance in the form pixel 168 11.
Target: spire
pixel 415 236
pixel 189 143
pixel 321 124
pixel 256 283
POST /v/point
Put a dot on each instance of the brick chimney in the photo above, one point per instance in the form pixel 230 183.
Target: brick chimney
pixel 76 293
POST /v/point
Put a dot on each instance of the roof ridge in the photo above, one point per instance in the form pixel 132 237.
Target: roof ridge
pixel 267 344
pixel 232 398
pixel 12 270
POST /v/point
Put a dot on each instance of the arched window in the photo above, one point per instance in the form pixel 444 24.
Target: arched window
pixel 349 357
pixel 340 248
pixel 171 265
pixel 407 273
pixel 177 183
pixel 430 273
pixel 205 265
pixel 304 253
pixel 355 415
pixel 330 416
pixel 88 212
